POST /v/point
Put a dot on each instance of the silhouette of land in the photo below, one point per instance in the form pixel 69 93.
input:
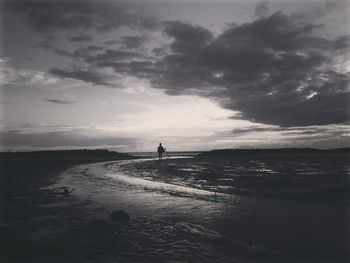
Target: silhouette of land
pixel 63 155
pixel 228 153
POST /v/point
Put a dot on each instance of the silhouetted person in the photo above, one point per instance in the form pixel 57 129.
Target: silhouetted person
pixel 160 150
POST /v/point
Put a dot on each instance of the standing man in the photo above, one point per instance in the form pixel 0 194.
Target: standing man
pixel 161 149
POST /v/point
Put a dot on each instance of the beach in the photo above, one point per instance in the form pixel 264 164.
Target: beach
pixel 174 131
pixel 190 209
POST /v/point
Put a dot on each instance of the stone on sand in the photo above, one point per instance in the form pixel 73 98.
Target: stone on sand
pixel 119 216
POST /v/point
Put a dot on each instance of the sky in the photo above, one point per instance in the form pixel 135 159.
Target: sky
pixel 194 75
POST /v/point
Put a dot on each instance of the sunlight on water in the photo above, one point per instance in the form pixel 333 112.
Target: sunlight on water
pixel 107 186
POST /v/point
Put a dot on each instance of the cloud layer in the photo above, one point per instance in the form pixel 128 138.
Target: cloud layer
pixel 278 70
pixel 62 102
pixel 53 15
pixel 275 70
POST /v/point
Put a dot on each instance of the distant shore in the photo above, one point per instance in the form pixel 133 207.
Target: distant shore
pixel 80 155
pixel 107 154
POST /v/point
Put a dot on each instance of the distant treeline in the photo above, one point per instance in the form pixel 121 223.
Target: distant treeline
pixel 65 155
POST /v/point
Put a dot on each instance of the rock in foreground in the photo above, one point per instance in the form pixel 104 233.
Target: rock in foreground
pixel 119 216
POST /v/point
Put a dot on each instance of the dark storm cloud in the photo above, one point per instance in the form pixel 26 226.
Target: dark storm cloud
pixel 62 102
pixel 139 68
pixel 95 54
pixel 187 38
pixel 254 129
pixel 48 15
pixel 175 70
pixel 110 42
pixel 88 76
pixel 86 52
pixel 342 43
pixel 275 70
pixel 112 55
pixel 62 52
pixel 43 44
pixel 133 41
pixel 80 38
pixel 311 130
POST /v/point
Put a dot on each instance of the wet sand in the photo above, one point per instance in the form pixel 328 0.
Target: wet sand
pixel 39 223
pixel 295 204
pixel 173 218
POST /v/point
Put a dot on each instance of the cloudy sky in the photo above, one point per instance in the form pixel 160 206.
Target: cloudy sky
pixel 195 75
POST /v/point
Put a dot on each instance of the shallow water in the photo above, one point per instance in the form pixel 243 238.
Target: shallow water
pixel 313 230
pixel 110 188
